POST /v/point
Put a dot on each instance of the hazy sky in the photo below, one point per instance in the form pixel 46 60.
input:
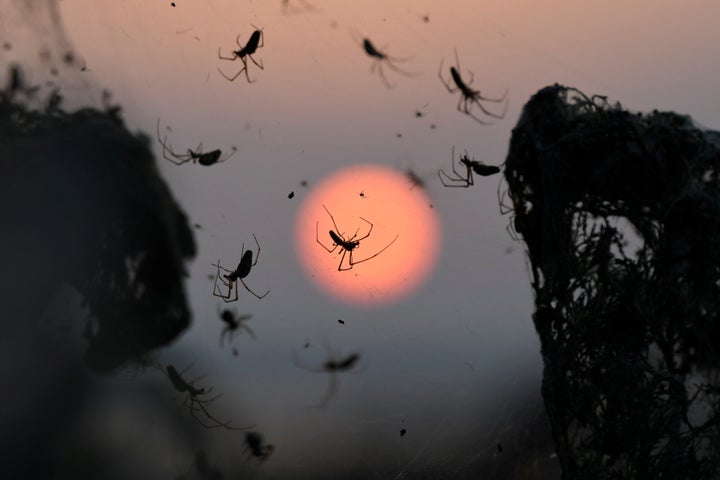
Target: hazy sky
pixel 445 357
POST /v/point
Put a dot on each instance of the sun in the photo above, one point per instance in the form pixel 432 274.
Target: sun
pixel 394 221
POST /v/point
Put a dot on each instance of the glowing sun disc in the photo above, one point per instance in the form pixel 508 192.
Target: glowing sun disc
pixel 392 207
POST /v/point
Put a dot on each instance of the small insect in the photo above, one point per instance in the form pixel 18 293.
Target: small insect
pixel 381 58
pixel 291 194
pixel 470 97
pixel 257 40
pixel 402 432
pixel 256 447
pixel 332 366
pixel 470 166
pixel 197 400
pixel 341 322
pixel 362 194
pixel 231 277
pixel 196 156
pixel 348 245
pixel 233 323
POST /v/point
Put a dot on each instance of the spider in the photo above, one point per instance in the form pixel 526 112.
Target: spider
pixel 348 245
pixel 332 366
pixel 233 322
pixel 257 40
pixel 197 400
pixel 471 166
pixel 256 447
pixel 197 155
pixel 470 97
pixel 232 276
pixel 379 58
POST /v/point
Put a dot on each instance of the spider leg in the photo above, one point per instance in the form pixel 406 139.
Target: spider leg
pixel 259 65
pixel 330 250
pixel 496 100
pixel 447 85
pixel 389 62
pixel 257 255
pixel 248 289
pixel 372 256
pixel 331 390
pixel 457 178
pixel 226 58
pixel 332 218
pixel 176 159
pixel 489 113
pixel 342 258
pixel 369 231
pixel 465 103
pixel 381 74
pixel 249 331
pixel 247 71
pixel 232 79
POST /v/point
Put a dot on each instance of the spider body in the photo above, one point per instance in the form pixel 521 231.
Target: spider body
pixel 332 366
pixel 256 40
pixel 197 400
pixel 470 96
pixel 257 447
pixel 196 156
pixel 471 166
pixel 381 58
pixel 231 277
pixel 348 246
pixel 233 323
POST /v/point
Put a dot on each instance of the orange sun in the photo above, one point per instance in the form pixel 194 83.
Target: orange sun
pixel 391 219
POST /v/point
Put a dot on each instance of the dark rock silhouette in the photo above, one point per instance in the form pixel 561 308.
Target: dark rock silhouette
pixel 621 216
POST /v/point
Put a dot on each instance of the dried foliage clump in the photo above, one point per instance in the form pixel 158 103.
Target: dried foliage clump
pixel 83 204
pixel 620 213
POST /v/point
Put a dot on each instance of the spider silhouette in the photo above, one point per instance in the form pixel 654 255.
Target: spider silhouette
pixel 470 97
pixel 348 245
pixel 231 277
pixel 458 180
pixel 332 366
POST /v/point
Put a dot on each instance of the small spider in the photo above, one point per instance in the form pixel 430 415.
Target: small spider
pixel 257 40
pixel 197 400
pixel 256 447
pixel 381 58
pixel 332 366
pixel 348 245
pixel 471 166
pixel 231 278
pixel 233 323
pixel 470 97
pixel 197 155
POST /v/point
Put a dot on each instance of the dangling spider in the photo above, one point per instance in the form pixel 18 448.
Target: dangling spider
pixel 470 97
pixel 379 58
pixel 257 40
pixel 471 166
pixel 197 400
pixel 332 366
pixel 234 323
pixel 348 245
pixel 197 155
pixel 232 276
